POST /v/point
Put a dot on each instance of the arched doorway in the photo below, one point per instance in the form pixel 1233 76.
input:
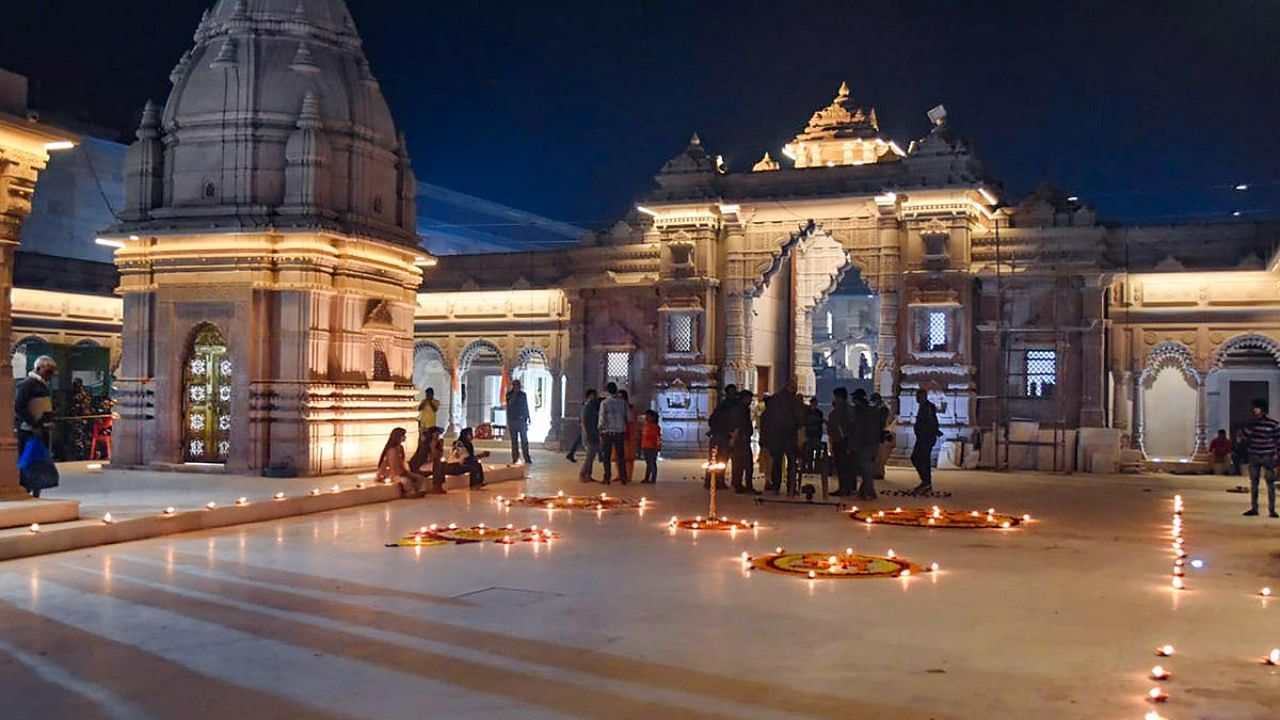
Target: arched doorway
pixel 534 373
pixel 480 384
pixel 1170 389
pixel 1245 368
pixel 431 370
pixel 206 395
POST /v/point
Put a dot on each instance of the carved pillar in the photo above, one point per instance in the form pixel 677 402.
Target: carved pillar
pixel 19 167
pixel 573 367
pixel 738 365
pixel 1202 406
pixel 1122 407
pixel 1136 438
pixel 1092 372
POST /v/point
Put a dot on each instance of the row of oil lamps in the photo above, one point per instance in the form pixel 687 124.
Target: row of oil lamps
pixel 109 519
pixel 1157 694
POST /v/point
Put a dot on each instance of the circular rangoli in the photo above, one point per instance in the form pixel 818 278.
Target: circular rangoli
pixel 452 534
pixel 560 501
pixel 828 566
pixel 720 524
pixel 937 517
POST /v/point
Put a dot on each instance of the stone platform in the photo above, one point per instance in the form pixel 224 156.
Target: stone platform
pixel 23 512
pixel 139 503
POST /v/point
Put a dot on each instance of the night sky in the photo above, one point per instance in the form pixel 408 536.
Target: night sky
pixel 1149 111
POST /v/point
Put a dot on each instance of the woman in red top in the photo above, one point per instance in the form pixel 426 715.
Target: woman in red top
pixel 650 444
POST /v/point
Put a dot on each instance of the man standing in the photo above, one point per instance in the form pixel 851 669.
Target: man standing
pixel 33 415
pixel 839 428
pixel 589 434
pixel 518 422
pixel 868 431
pixel 428 411
pixel 740 432
pixel 719 430
pixel 613 434
pixel 779 428
pixel 927 433
pixel 813 425
pixel 1263 434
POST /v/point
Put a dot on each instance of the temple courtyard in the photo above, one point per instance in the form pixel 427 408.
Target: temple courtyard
pixel 621 616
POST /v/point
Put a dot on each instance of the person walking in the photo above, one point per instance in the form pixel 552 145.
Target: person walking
pixel 1220 449
pixel 518 422
pixel 864 442
pixel 613 433
pixel 650 446
pixel 589 434
pixel 428 410
pixel 839 430
pixel 741 430
pixel 1263 433
pixel 33 416
pixel 927 434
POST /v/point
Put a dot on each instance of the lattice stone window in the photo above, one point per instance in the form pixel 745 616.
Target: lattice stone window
pixel 1040 373
pixel 937 330
pixel 680 331
pixel 617 367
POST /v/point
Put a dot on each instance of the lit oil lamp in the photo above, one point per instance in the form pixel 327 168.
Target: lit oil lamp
pixel 279 496
pixel 1273 657
pixel 1178 584
pixel 170 510
pixel 1157 695
pixel 242 501
pixel 1265 592
pixel 35 527
pixel 1159 673
pixel 107 519
pixel 1165 651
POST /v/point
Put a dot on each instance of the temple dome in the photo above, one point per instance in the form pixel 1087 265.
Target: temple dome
pixel 274 120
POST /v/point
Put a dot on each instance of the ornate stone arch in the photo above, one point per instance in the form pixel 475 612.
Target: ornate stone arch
pixel 472 349
pixel 529 352
pixel 1170 355
pixel 1247 341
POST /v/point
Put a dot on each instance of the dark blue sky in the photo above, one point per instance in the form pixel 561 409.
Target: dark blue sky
pixel 567 109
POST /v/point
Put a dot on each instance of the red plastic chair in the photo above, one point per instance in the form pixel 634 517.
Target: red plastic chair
pixel 101 431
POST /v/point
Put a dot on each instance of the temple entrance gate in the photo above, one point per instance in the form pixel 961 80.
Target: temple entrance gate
pixel 206 394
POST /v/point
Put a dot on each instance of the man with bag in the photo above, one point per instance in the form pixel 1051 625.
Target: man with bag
pixel 32 418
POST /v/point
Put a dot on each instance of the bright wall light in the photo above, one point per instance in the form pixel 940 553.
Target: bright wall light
pixel 422 261
pixel 59 145
pixel 647 211
pixel 986 194
pixel 108 242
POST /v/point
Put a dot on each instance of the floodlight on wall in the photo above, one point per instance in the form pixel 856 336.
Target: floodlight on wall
pixel 424 261
pixel 59 145
pixel 1242 187
pixel 729 209
pixel 1073 198
pixel 647 211
pixel 108 242
pixel 986 195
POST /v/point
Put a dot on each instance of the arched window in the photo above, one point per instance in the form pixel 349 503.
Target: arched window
pixel 206 396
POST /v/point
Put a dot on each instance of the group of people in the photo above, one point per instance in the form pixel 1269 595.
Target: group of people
pixel 609 433
pixel 426 470
pixel 858 439
pixel 1257 446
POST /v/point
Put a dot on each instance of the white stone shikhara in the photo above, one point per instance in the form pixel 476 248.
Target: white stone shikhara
pixel 272 198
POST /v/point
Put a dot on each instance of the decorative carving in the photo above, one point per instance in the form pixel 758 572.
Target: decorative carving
pixel 1250 341
pixel 1170 355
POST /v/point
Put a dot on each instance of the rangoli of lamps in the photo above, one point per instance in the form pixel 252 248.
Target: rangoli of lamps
pixel 712 521
pixel 835 566
pixel 561 501
pixel 453 534
pixel 936 517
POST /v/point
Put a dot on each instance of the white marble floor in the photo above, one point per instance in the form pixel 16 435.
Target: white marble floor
pixel 313 617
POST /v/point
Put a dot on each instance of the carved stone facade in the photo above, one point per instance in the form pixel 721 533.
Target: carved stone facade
pixel 1015 318
pixel 269 219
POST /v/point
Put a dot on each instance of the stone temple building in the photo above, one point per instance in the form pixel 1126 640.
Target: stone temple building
pixel 274 307
pixel 268 262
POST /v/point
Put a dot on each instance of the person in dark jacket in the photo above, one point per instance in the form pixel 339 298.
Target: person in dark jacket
pixel 839 429
pixel 779 428
pixel 518 422
pixel 589 434
pixel 740 431
pixel 927 434
pixel 864 442
pixel 719 432
pixel 33 412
